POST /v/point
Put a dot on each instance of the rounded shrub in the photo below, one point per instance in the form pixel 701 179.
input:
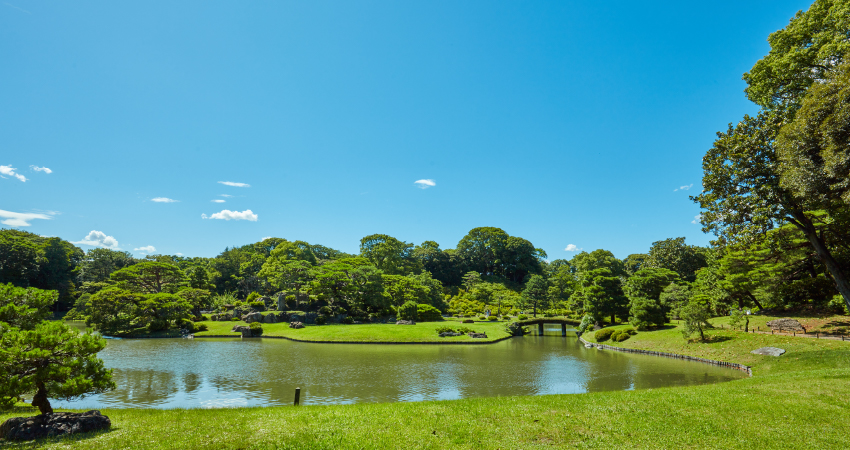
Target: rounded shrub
pixel 201 327
pixel 428 313
pixel 620 336
pixel 445 329
pixel 252 297
pixel 257 305
pixel 321 320
pixel 522 317
pixel 326 311
pixel 604 334
pixel 348 320
pixel 256 329
pixel 482 318
pixel 408 311
pixel 492 318
pixel 468 321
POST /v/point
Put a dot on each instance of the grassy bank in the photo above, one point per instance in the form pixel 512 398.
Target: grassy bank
pixel 796 401
pixel 421 332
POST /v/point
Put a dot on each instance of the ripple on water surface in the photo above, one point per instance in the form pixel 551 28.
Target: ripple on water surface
pixel 213 373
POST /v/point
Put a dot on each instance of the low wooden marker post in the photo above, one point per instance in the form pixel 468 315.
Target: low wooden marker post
pixel 297 396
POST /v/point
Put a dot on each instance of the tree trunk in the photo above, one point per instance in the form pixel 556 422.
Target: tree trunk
pixel 754 299
pixel 40 401
pixel 805 225
pixel 613 320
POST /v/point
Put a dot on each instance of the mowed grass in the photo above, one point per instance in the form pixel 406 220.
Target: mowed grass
pixel 799 400
pixel 421 332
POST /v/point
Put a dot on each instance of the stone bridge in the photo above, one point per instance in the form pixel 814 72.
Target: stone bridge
pixel 540 321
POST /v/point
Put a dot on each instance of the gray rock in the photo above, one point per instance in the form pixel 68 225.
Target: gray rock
pixel 449 333
pixel 247 333
pixel 53 424
pixel 786 325
pixel 252 317
pixel 477 335
pixel 296 325
pixel 270 318
pixel 240 328
pixel 769 351
pixel 405 322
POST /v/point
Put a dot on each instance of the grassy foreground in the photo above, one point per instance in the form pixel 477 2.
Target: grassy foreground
pixel 799 400
pixel 421 332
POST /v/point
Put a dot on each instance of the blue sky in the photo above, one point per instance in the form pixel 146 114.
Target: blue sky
pixel 563 122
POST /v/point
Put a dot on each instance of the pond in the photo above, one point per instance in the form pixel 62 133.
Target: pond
pixel 212 373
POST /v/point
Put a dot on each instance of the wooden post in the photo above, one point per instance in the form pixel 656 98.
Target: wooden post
pixel 540 329
pixel 297 396
pixel 563 329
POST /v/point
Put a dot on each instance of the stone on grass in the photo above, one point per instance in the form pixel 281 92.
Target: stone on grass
pixel 296 325
pixel 270 318
pixel 405 322
pixel 769 351
pixel 53 424
pixel 252 317
pixel 449 333
pixel 240 328
pixel 786 325
pixel 477 335
pixel 247 333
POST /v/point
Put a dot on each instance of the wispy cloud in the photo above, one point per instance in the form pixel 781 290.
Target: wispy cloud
pixel 41 169
pixel 10 171
pixel 233 215
pixel 18 8
pixel 572 248
pixel 425 184
pixel 145 249
pixel 99 239
pixel 14 219
pixel 683 188
pixel 164 200
pixel 234 184
pixel 697 219
pixel 218 200
pixel 226 195
pixel 263 239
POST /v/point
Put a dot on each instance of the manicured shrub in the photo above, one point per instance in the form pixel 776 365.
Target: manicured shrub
pixel 515 329
pixel 620 336
pixel 200 327
pixel 260 306
pixel 468 321
pixel 252 297
pixel 631 331
pixel 321 320
pixel 234 319
pixel 603 334
pixel 492 318
pixel 348 320
pixel 326 311
pixel 522 317
pixel 464 330
pixel 482 318
pixel 445 329
pixel 186 324
pixel 428 313
pixel 408 311
pixel 256 329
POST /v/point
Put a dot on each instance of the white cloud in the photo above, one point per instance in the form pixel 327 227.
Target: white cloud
pixel 226 195
pixel 10 171
pixel 217 201
pixel 425 184
pixel 263 239
pixel 146 249
pixel 14 219
pixel 233 215
pixel 164 200
pixel 572 248
pixel 41 169
pixel 683 188
pixel 179 254
pixel 99 239
pixel 697 219
pixel 234 184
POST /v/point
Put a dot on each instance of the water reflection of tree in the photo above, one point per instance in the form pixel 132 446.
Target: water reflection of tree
pixel 142 387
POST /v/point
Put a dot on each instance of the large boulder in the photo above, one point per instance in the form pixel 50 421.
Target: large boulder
pixel 240 328
pixel 786 325
pixel 449 333
pixel 477 335
pixel 769 351
pixel 247 333
pixel 252 317
pixel 53 424
pixel 270 318
pixel 296 325
pixel 405 322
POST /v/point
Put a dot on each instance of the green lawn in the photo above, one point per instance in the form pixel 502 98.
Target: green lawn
pixel 421 332
pixel 795 401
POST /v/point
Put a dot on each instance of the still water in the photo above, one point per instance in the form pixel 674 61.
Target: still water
pixel 212 373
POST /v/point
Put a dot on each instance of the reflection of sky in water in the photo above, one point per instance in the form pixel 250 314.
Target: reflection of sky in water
pixel 215 373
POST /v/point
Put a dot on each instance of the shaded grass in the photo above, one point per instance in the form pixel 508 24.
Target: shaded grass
pixel 421 332
pixel 822 323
